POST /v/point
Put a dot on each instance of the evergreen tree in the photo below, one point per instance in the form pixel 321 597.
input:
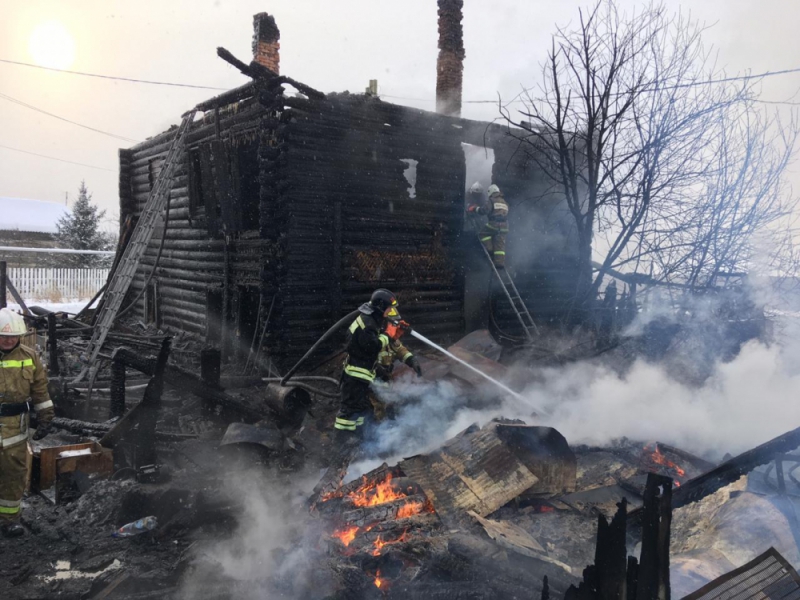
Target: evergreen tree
pixel 80 230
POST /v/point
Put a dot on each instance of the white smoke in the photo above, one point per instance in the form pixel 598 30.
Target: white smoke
pixel 745 402
pixel 264 550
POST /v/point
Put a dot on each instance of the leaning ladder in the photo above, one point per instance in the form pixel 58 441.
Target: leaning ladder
pixel 132 255
pixel 514 298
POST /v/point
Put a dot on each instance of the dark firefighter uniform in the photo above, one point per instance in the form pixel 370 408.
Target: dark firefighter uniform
pixel 23 387
pixel 371 348
pixel 365 343
pixel 493 234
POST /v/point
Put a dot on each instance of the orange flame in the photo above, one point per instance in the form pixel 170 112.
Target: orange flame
pixel 659 459
pixel 346 535
pixel 410 509
pixel 379 543
pixel 378 581
pixel 369 494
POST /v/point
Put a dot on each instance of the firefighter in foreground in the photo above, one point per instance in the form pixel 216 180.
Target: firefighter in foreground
pixel 23 388
pixel 493 234
pixel 373 344
pixel 373 341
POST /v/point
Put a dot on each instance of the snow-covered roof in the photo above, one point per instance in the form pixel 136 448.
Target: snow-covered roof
pixel 22 214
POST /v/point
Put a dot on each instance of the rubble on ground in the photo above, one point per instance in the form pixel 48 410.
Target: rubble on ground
pixel 489 513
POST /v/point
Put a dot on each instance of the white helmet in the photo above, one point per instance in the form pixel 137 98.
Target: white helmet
pixel 493 189
pixel 11 324
pixel 476 188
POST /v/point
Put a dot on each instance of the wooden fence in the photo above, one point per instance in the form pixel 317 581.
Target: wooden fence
pixel 57 285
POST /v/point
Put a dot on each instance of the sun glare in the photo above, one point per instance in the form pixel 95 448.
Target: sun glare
pixel 51 45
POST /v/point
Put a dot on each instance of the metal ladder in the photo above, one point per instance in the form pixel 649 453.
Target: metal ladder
pixel 514 297
pixel 132 255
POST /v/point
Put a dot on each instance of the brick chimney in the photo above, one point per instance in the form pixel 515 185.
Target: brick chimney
pixel 266 44
pixel 450 65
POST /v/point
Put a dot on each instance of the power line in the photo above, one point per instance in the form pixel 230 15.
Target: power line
pixel 673 87
pixel 49 114
pixel 206 87
pixel 129 79
pixel 58 159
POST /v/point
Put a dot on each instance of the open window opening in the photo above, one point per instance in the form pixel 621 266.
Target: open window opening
pixel 195 182
pixel 244 168
pixel 410 174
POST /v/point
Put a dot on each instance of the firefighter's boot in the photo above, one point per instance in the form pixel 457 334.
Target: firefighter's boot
pixel 12 529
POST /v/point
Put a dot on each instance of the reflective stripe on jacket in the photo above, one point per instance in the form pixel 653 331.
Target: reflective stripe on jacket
pixel 365 342
pixel 496 208
pixel 22 378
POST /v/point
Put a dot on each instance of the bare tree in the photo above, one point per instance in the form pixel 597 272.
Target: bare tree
pixel 665 169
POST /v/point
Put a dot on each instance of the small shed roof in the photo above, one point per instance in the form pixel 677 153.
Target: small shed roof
pixel 766 577
pixel 22 214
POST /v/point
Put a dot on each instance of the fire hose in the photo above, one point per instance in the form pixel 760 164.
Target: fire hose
pixel 346 320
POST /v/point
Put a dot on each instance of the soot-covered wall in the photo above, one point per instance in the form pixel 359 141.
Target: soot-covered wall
pixel 297 208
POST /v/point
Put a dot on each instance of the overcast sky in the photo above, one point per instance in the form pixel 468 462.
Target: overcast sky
pixel 332 45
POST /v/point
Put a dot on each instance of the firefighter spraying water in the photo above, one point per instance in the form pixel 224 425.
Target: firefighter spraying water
pixel 374 329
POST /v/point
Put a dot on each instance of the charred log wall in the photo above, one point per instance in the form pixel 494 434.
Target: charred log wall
pixel 350 194
pixel 200 257
pixel 371 197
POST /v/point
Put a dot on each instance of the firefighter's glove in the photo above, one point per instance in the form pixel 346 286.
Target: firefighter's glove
pixel 383 373
pixel 472 208
pixel 414 364
pixel 395 330
pixel 42 431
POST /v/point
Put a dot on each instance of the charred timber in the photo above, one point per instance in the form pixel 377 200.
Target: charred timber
pixel 181 379
pixel 235 95
pixel 259 71
pixel 731 470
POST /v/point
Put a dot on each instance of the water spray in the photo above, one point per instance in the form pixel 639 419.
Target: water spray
pixel 503 387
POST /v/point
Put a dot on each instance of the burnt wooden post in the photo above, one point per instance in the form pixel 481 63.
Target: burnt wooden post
pixel 52 346
pixel 614 575
pixel 611 554
pixel 3 286
pixel 653 572
pixel 545 589
pixel 116 407
pixel 144 435
pixel 632 580
pixel 152 394
pixel 210 359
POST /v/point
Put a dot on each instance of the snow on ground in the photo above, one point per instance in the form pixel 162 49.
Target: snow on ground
pixel 72 306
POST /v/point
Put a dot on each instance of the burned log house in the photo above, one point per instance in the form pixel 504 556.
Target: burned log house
pixel 289 209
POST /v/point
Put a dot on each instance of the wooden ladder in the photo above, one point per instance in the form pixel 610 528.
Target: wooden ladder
pixel 132 255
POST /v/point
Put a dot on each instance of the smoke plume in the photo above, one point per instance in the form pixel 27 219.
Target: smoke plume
pixel 744 402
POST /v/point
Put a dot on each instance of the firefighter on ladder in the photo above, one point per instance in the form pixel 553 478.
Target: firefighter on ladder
pixel 493 234
pixel 23 388
pixel 373 344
